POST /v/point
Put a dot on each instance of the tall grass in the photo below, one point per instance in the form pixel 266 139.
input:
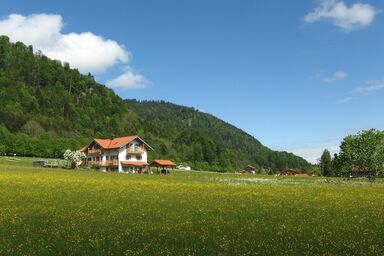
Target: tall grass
pixel 57 212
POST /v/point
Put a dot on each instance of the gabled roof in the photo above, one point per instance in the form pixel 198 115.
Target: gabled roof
pixel 163 163
pixel 249 167
pixel 116 143
pixel 289 170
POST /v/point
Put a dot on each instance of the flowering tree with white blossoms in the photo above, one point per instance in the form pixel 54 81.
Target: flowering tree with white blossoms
pixel 74 157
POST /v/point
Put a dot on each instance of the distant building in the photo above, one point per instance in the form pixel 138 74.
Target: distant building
pixel 301 175
pixel 163 165
pixel 288 172
pixel 122 154
pixel 249 169
pixel 293 172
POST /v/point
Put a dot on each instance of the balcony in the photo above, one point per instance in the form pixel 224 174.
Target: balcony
pixel 94 152
pixel 135 151
pixel 110 163
pixel 103 163
pixel 94 163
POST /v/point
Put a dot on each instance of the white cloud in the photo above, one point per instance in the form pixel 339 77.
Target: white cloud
pixel 128 80
pixel 86 51
pixel 346 99
pixel 312 154
pixel 339 75
pixel 39 30
pixel 354 17
pixel 370 87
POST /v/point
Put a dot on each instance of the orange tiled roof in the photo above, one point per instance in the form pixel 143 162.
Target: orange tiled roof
pixel 164 162
pixel 132 163
pixel 115 142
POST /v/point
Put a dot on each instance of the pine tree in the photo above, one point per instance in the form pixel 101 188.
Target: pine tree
pixel 326 163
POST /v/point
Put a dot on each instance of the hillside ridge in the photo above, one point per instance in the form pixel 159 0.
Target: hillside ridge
pixel 47 107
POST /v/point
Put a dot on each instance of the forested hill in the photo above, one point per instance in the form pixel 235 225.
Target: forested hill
pixel 195 136
pixel 47 107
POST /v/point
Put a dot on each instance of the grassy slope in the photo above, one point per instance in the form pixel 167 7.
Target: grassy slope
pixel 57 212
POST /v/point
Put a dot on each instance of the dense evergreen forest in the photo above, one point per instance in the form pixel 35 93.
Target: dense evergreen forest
pixel 47 107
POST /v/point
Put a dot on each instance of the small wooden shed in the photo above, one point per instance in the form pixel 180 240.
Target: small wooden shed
pixel 249 169
pixel 164 165
pixel 288 172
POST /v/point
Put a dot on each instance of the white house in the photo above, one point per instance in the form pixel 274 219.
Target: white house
pixel 122 154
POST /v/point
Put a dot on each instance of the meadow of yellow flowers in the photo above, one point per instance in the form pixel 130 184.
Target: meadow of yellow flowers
pixel 62 212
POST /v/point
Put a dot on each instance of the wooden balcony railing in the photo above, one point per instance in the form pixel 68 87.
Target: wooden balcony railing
pixel 135 151
pixel 94 163
pixel 94 152
pixel 103 163
pixel 111 162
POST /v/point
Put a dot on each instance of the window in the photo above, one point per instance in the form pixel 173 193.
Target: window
pixel 107 157
pixel 139 157
pixel 128 157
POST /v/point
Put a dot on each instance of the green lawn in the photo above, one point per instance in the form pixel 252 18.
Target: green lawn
pixel 62 212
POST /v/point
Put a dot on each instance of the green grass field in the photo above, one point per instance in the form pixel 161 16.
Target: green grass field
pixel 64 212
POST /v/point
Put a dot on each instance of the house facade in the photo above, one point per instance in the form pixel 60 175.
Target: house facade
pixel 121 154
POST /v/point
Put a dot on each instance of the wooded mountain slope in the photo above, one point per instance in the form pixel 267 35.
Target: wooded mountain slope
pixel 47 107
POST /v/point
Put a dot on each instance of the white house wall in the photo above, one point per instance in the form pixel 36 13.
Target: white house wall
pixel 133 157
pixel 109 153
pixel 122 154
pixel 144 156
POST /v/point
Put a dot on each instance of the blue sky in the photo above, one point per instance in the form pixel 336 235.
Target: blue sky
pixel 297 75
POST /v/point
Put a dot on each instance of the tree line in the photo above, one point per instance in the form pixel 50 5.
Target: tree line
pixel 360 153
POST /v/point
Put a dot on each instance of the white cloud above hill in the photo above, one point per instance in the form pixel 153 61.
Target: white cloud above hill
pixel 128 80
pixel 85 51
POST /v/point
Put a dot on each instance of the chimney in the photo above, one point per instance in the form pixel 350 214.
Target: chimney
pixel 113 136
